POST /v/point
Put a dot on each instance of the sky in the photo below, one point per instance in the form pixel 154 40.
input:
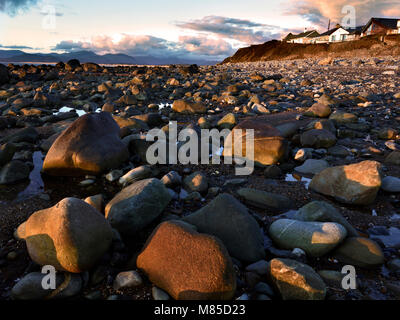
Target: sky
pixel 207 29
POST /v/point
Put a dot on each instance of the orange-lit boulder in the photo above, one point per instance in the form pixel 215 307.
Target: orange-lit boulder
pixel 188 265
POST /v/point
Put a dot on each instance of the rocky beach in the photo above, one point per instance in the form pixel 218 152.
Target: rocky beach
pixel 77 192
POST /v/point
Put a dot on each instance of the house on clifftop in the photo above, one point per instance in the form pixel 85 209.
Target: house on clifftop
pixel 381 26
pixel 337 34
pixel 305 37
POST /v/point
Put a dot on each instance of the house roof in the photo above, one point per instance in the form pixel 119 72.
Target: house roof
pixel 383 22
pixel 307 34
pixel 328 33
pixel 356 30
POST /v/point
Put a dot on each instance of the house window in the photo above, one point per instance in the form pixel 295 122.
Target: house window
pixel 333 38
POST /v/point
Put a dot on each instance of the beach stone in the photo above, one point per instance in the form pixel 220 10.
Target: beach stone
pixel 71 236
pixel 296 281
pixel 312 166
pixel 30 287
pixel 318 139
pixel 159 295
pixel 14 171
pixel 319 110
pixel 184 106
pixel 130 123
pixel 360 252
pixel 7 152
pixel 343 117
pixel 315 238
pixel 72 64
pixel 227 122
pixel 29 135
pixel 387 134
pixel 171 179
pixel 137 205
pixel 136 174
pixel 332 278
pixel 263 199
pixel 128 279
pixel 90 145
pixel 393 158
pixel 270 147
pixel 4 74
pixel 196 182
pixel 229 220
pixel 320 211
pixel 91 67
pixel 188 265
pixel 96 202
pixel 259 267
pixel 391 184
pixel 353 184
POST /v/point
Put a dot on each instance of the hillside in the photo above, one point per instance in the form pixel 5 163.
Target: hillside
pixel 18 56
pixel 278 50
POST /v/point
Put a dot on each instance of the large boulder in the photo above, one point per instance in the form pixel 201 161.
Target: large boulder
pixel 296 281
pixel 315 238
pixel 184 106
pixel 136 206
pixel 229 220
pixel 72 64
pixel 14 171
pixel 188 265
pixel 4 74
pixel 270 147
pixel 71 236
pixel 360 252
pixel 91 145
pixel 91 67
pixel 353 184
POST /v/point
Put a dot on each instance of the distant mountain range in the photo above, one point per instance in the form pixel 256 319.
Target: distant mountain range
pixel 18 56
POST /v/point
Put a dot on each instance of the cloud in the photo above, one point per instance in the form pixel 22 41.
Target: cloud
pixel 15 47
pixel 129 44
pixel 319 12
pixel 245 31
pixel 13 7
pixel 146 45
pixel 206 46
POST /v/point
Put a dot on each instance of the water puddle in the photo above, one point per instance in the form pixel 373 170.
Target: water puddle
pixel 164 105
pixel 79 112
pixel 36 185
pixel 297 178
pixel 68 109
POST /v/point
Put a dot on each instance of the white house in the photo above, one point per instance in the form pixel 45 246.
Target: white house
pixel 337 34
